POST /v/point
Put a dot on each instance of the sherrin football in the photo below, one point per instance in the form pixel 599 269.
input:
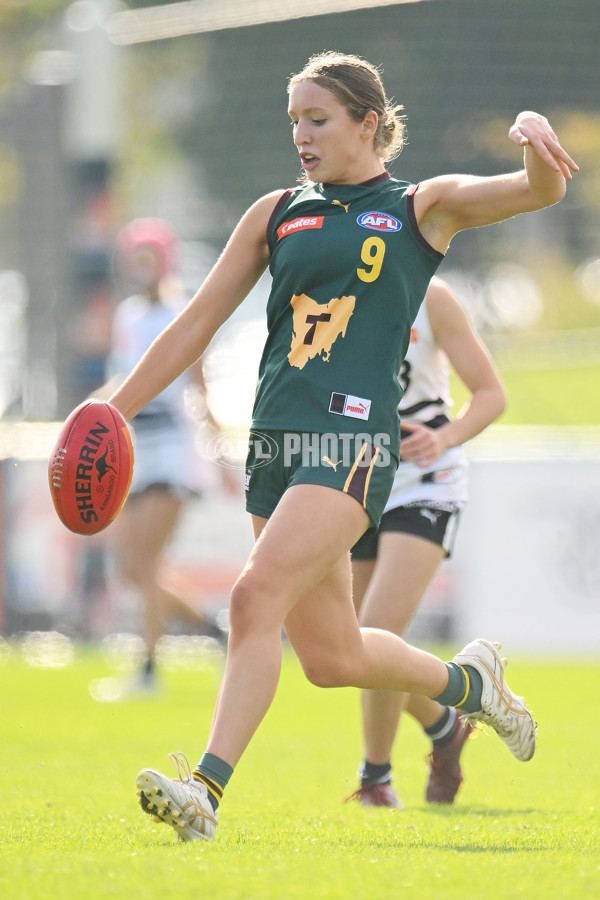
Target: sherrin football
pixel 91 467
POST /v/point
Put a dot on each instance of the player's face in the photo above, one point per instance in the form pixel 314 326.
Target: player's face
pixel 333 147
pixel 142 268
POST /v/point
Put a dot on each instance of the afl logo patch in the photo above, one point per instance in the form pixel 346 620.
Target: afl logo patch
pixel 379 221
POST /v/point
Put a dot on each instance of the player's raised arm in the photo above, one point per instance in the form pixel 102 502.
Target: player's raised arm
pixel 237 270
pixel 448 204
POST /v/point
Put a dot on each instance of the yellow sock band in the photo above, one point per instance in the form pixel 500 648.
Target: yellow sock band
pixel 468 680
pixel 215 789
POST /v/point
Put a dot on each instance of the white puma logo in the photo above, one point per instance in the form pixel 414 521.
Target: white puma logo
pixel 333 465
pixel 429 514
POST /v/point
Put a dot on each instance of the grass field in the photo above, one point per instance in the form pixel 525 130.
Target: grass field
pixel 70 826
pixel 546 396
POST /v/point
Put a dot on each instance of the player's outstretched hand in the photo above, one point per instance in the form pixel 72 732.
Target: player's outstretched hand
pixel 533 129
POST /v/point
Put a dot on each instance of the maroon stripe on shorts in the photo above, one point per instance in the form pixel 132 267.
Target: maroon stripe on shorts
pixel 357 483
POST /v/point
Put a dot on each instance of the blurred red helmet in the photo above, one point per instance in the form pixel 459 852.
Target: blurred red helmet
pixel 155 233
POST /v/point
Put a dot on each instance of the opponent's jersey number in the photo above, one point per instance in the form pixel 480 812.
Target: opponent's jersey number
pixel 404 375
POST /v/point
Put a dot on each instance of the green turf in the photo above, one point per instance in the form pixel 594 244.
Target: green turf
pixel 559 396
pixel 553 396
pixel 70 825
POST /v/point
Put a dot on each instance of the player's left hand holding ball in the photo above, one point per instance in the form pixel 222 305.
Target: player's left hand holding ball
pixel 91 467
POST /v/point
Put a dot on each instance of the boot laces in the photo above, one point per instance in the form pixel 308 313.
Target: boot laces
pixel 184 771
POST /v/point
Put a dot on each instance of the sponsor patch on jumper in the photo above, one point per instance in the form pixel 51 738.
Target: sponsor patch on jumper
pixel 348 405
pixel 379 221
pixel 300 224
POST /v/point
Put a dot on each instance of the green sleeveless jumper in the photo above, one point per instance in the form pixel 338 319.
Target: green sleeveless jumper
pixel 350 270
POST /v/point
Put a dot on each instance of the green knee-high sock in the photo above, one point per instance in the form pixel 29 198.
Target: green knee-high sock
pixel 215 773
pixel 463 689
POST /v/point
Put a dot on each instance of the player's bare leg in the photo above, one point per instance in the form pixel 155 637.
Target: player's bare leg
pixel 387 593
pixel 149 521
pixel 299 575
pixel 145 527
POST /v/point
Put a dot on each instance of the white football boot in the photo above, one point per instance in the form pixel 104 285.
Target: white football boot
pixel 180 802
pixel 501 709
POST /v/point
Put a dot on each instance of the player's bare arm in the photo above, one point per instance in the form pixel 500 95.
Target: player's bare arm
pixel 451 203
pixel 472 363
pixel 237 270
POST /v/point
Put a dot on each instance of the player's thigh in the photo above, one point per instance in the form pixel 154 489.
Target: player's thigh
pixel 310 531
pixel 404 568
pixel 148 522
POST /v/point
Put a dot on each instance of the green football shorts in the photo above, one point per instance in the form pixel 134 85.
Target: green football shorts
pixel 360 465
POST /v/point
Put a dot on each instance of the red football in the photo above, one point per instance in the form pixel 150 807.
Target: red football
pixel 91 467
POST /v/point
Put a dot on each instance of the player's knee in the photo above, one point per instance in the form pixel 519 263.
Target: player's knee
pixel 248 611
pixel 325 672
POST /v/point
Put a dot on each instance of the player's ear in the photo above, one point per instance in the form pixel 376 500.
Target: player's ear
pixel 369 125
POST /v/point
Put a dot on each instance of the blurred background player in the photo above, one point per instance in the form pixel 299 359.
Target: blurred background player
pixel 166 469
pixel 393 566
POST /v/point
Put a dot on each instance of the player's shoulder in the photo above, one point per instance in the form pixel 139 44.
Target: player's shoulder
pixel 268 203
pixel 260 215
pixel 444 308
pixel 440 294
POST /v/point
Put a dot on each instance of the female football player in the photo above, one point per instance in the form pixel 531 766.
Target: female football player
pixel 351 252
